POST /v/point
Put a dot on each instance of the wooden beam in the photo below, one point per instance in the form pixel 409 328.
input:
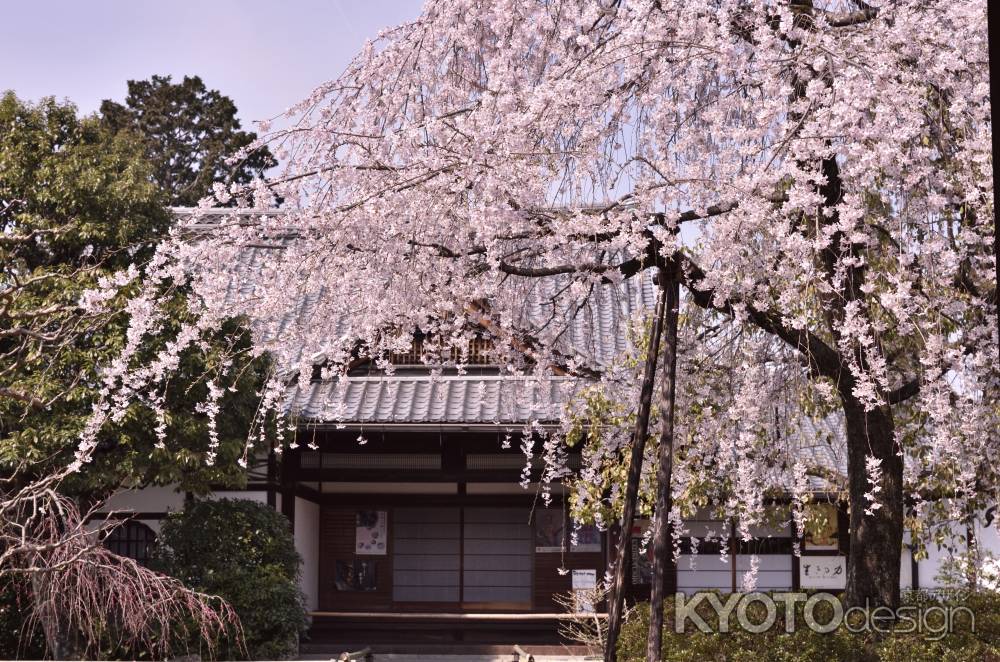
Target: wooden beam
pixel 459 616
pixel 272 479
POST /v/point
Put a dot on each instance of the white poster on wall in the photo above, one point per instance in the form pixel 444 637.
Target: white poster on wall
pixel 584 581
pixel 823 572
pixel 370 532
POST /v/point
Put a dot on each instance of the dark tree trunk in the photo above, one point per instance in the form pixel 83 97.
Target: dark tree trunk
pixel 876 539
pixel 616 599
pixel 662 532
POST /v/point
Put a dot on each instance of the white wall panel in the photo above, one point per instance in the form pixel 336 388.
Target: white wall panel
pixel 307 544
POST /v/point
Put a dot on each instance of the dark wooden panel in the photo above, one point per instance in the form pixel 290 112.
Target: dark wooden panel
pixel 496 547
pixel 510 558
pixel 426 536
pixel 337 529
pixel 549 582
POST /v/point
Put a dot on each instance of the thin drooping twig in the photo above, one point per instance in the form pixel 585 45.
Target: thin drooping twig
pixel 86 598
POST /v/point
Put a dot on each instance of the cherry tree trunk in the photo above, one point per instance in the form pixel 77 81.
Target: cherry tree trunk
pixel 876 538
pixel 662 531
pixel 616 597
pixel 61 639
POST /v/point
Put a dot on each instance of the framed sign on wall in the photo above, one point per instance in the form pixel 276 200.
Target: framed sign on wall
pixel 356 575
pixel 823 572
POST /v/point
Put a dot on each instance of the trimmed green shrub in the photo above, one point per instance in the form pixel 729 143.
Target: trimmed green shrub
pixel 242 551
pixel 961 644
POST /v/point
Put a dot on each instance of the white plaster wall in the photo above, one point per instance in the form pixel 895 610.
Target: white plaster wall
pixel 307 544
pixel 698 572
pixel 928 569
pixel 167 499
pixel 905 571
pixel 146 500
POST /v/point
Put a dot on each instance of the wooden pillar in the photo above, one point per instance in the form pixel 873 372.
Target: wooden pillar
pixel 639 434
pixel 663 548
pixel 734 549
pixel 843 530
pixel 462 491
pixel 289 476
pixel 272 480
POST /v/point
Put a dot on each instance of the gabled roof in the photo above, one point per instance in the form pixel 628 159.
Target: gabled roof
pixel 596 333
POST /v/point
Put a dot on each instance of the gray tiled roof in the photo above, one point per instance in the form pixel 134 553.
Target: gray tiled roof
pixel 594 333
pixel 821 443
pixel 421 399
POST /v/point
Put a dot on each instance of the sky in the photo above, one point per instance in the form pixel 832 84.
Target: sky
pixel 264 55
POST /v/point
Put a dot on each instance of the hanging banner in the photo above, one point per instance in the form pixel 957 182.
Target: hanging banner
pixel 370 533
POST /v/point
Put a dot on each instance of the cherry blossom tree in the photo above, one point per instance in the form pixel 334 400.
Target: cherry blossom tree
pixel 817 174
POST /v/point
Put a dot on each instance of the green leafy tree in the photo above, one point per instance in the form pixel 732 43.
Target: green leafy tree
pixel 78 203
pixel 242 551
pixel 189 133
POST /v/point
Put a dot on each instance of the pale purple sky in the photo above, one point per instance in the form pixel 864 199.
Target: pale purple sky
pixel 264 55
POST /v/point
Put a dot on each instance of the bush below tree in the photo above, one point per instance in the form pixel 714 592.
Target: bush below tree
pixel 244 552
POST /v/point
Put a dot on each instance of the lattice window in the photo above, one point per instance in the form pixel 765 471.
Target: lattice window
pixel 132 539
pixel 422 353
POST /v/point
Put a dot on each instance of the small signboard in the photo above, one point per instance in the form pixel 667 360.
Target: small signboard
pixel 584 584
pixel 584 579
pixel 821 530
pixel 823 572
